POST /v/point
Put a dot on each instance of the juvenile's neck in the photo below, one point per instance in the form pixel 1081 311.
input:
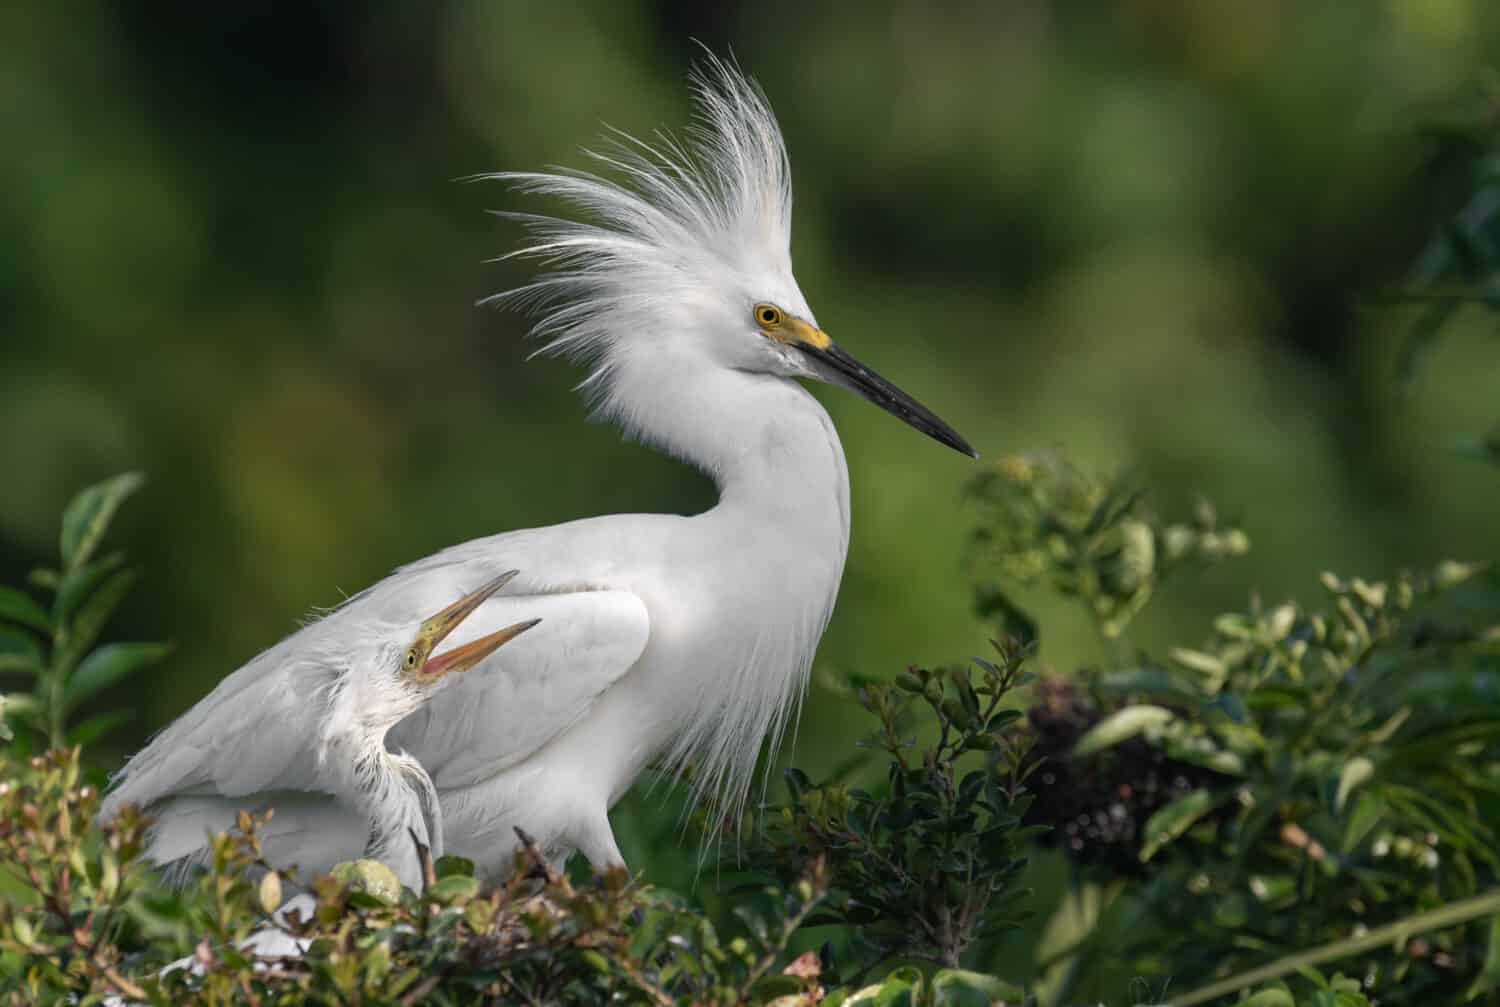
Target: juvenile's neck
pixel 378 786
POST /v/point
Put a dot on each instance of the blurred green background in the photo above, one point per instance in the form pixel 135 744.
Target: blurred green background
pixel 1149 233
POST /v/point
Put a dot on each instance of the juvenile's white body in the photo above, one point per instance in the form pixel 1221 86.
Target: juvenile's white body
pixel 663 637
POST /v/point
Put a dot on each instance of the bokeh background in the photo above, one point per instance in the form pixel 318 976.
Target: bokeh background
pixel 1153 234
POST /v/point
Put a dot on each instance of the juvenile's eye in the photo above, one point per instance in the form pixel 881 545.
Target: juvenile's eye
pixel 410 661
pixel 768 315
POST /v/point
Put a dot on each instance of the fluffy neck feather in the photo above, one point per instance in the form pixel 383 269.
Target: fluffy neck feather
pixel 392 791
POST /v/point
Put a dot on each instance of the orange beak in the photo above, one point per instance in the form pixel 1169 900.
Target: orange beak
pixel 437 628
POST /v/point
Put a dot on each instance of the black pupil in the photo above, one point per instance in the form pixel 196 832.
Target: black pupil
pixel 768 315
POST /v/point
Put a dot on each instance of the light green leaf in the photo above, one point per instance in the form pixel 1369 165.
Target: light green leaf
pixel 108 665
pixel 899 989
pixel 1175 819
pixel 1196 660
pixel 1451 573
pixel 1121 726
pixel 1356 771
pixel 960 988
pixel 371 877
pixel 1269 998
pixel 455 889
pixel 88 515
pixel 18 607
pixel 269 892
pixel 19 703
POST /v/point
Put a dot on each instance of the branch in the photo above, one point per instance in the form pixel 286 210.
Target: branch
pixel 1392 933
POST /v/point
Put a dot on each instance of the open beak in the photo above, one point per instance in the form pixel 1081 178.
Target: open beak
pixel 842 369
pixel 437 628
pixel 465 657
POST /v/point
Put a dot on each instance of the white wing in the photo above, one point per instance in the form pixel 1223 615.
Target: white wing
pixel 256 732
pixel 529 691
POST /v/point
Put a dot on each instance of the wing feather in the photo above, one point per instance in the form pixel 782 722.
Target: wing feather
pixel 529 691
pixel 256 732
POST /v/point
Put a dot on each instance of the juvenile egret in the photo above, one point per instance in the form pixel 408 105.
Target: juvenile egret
pixel 382 680
pixel 667 638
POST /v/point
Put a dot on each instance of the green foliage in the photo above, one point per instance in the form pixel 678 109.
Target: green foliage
pixel 920 870
pixel 91 921
pixel 53 645
pixel 1336 766
pixel 930 863
pixel 1043 521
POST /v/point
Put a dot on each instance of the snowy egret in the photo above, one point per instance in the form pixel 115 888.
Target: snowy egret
pixel 667 639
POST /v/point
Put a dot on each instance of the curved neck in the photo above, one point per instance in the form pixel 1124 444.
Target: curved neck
pixel 767 444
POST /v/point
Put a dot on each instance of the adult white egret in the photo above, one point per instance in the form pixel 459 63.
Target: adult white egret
pixel 666 638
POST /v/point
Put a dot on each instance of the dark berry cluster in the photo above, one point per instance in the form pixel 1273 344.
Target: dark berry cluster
pixel 1097 806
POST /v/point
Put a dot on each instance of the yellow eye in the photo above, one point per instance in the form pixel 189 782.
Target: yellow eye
pixel 768 315
pixel 410 661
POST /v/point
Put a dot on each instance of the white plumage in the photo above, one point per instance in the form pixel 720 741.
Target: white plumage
pixel 664 638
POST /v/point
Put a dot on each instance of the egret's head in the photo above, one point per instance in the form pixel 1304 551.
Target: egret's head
pixel 408 670
pixel 687 260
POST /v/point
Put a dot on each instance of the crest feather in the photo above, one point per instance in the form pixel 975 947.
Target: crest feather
pixel 661 222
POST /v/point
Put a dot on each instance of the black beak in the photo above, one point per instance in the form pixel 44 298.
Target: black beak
pixel 842 369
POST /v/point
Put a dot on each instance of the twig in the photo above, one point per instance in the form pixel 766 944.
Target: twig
pixel 816 877
pixel 1392 933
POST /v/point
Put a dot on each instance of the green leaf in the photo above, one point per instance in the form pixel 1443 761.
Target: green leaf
pixel 19 653
pixel 87 517
pixel 1368 810
pixel 108 665
pixel 80 582
pixel 1269 998
pixel 899 989
pixel 1204 664
pixel 454 889
pixel 1356 771
pixel 1151 680
pixel 960 988
pixel 18 607
pixel 1489 974
pixel 1175 819
pixel 80 635
pixel 97 726
pixel 369 877
pixel 769 988
pixel 17 704
pixel 1122 725
pixel 453 866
